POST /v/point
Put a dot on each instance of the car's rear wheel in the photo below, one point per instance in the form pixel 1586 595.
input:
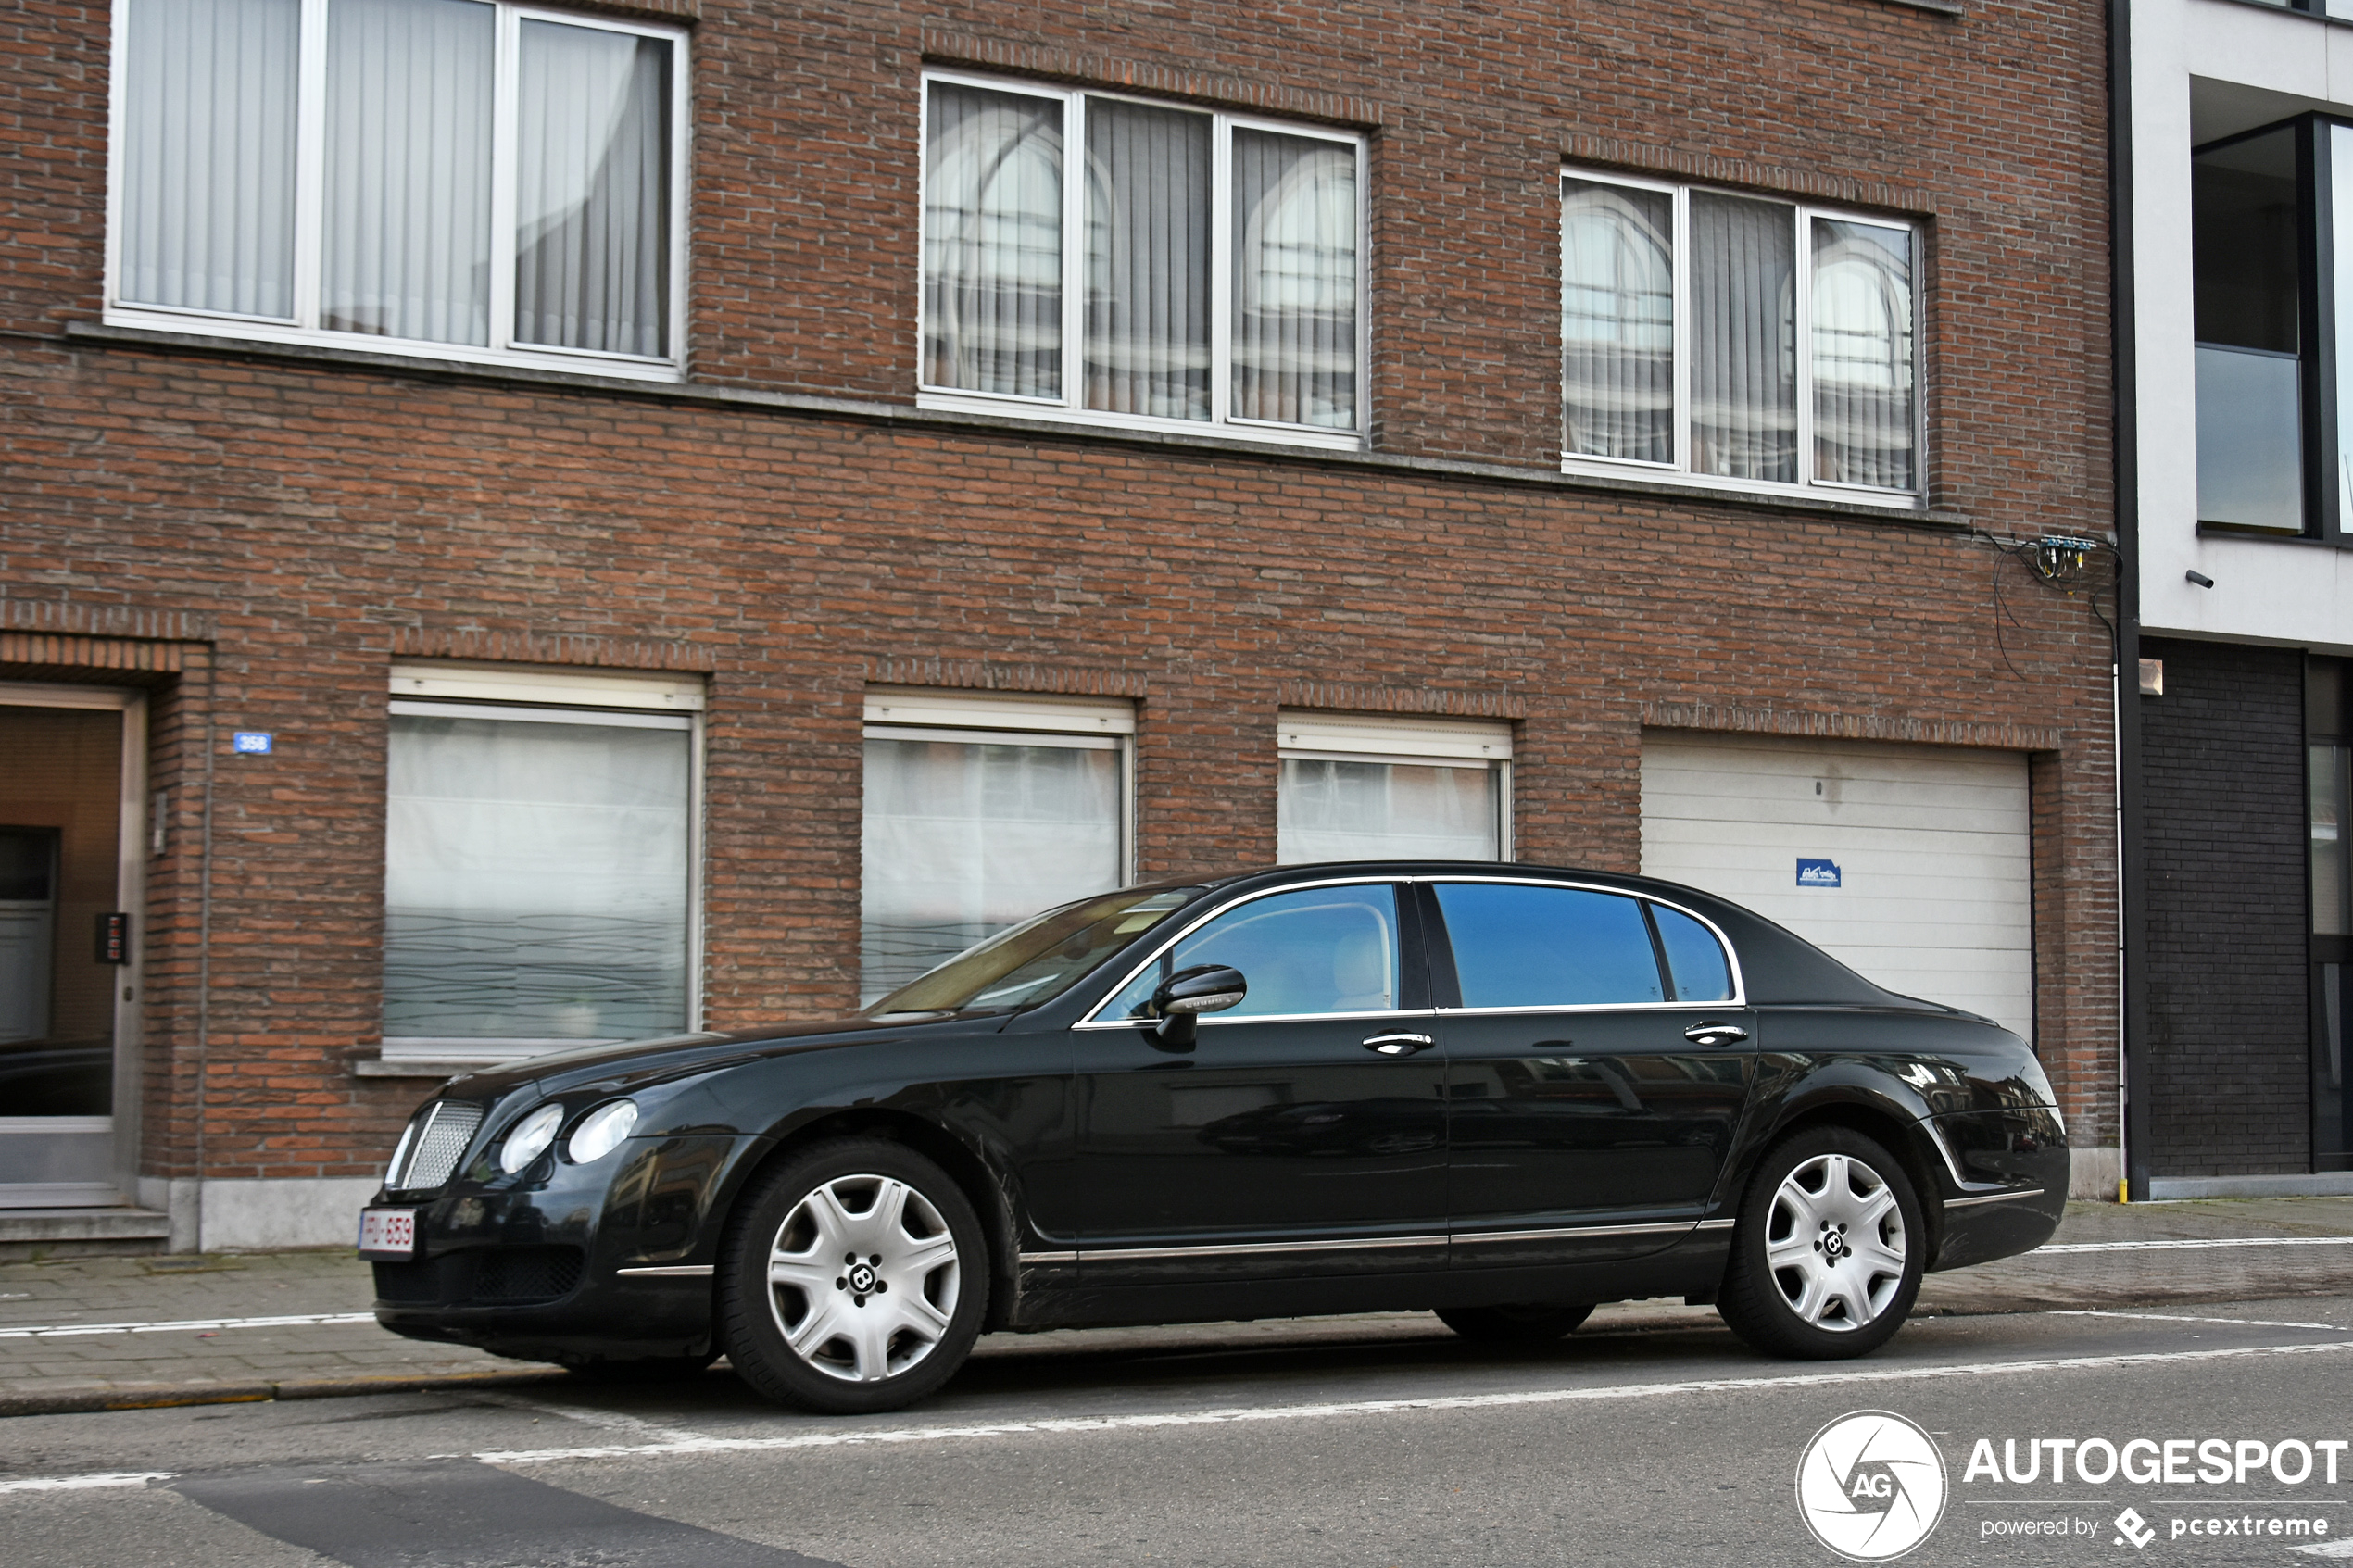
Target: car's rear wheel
pixel 1826 1256
pixel 1530 1323
pixel 853 1279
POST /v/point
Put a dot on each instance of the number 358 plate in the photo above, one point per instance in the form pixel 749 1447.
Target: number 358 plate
pixel 388 1233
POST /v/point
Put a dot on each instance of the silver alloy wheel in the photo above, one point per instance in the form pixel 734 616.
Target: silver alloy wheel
pixel 1834 1243
pixel 862 1277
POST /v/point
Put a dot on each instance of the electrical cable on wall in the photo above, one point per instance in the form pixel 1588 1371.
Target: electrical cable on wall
pixel 2056 561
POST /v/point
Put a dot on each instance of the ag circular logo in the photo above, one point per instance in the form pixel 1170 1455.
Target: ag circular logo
pixel 1871 1485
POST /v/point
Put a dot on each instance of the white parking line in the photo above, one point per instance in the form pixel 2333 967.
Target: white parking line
pixel 611 1420
pixel 2171 1317
pixel 830 1439
pixel 2196 1242
pixel 67 1330
pixel 85 1483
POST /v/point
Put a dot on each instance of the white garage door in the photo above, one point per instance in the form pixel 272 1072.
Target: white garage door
pixel 1930 894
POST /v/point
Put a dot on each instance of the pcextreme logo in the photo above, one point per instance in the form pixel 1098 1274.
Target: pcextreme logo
pixel 1871 1485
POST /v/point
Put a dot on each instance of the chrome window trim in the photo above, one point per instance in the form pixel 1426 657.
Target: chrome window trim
pixel 1731 954
pixel 1093 1021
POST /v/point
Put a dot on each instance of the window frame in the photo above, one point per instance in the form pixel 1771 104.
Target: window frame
pixel 1411 742
pixel 310 199
pixel 1804 214
pixel 1731 954
pixel 552 695
pixel 1068 409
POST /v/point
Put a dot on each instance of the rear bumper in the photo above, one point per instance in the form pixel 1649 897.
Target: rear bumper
pixel 2004 1186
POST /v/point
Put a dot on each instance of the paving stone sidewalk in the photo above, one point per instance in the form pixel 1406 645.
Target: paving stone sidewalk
pixel 130 1332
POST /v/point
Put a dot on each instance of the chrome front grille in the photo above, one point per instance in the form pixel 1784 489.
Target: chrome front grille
pixel 437 1141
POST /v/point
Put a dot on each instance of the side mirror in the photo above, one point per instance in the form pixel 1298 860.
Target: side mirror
pixel 1186 995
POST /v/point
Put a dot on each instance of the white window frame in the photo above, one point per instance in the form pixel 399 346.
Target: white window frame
pixel 527 694
pixel 978 718
pixel 1068 409
pixel 1679 470
pixel 311 171
pixel 1307 736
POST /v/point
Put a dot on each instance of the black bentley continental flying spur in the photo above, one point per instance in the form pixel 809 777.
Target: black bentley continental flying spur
pixel 1502 1093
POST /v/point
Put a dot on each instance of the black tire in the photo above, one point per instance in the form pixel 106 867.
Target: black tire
pixel 641 1369
pixel 1530 1323
pixel 923 1333
pixel 1791 1290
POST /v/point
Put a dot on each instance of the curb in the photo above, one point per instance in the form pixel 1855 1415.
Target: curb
pixel 165 1396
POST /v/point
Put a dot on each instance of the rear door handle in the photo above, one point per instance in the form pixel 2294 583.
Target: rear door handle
pixel 1399 1044
pixel 1714 1034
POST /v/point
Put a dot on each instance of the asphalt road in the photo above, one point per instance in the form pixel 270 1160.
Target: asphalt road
pixel 1368 1443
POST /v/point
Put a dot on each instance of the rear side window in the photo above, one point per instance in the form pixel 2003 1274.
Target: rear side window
pixel 1694 958
pixel 1318 950
pixel 1548 946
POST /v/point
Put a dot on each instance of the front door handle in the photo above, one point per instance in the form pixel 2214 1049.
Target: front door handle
pixel 1399 1044
pixel 1714 1034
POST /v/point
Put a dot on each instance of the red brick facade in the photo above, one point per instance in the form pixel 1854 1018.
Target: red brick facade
pixel 257 535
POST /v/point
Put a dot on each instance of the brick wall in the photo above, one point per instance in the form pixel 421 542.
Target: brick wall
pixel 2229 1042
pixel 292 525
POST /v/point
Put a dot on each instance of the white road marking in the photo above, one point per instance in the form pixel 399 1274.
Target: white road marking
pixel 2202 1241
pixel 611 1420
pixel 85 1483
pixel 2170 1317
pixel 67 1330
pixel 2328 1548
pixel 1381 1407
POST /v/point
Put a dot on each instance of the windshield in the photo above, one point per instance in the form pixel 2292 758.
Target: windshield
pixel 1026 964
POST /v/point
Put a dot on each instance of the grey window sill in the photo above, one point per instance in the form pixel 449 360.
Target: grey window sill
pixel 2265 536
pixel 377 1067
pixel 1546 477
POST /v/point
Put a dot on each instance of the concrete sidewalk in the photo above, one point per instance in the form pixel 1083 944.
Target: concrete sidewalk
pixel 124 1333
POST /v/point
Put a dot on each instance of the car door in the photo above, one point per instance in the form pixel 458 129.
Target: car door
pixel 1599 1061
pixel 1303 1132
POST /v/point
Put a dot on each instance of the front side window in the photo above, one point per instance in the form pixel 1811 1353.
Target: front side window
pixel 1122 262
pixel 456 178
pixel 538 875
pixel 1523 947
pixel 1367 789
pixel 1317 950
pixel 979 814
pixel 1735 340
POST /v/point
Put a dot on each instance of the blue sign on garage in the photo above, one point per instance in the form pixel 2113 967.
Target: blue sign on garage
pixel 1816 873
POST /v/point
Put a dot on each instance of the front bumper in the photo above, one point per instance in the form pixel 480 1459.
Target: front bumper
pixel 539 1270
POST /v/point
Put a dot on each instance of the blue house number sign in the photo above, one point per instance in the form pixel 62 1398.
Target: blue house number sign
pixel 253 743
pixel 1816 873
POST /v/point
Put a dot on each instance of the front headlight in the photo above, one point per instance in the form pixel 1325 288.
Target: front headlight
pixel 601 1131
pixel 531 1137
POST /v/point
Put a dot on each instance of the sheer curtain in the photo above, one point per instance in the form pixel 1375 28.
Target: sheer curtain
pixel 1332 811
pixel 1863 354
pixel 1617 320
pixel 592 190
pixel 963 839
pixel 1744 338
pixel 536 878
pixel 408 179
pixel 993 242
pixel 1147 209
pixel 209 158
pixel 1294 279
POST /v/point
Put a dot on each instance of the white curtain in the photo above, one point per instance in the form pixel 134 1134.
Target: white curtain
pixel 1863 366
pixel 1744 338
pixel 963 839
pixel 1294 343
pixel 408 176
pixel 993 242
pixel 1383 811
pixel 1617 320
pixel 209 158
pixel 592 190
pixel 536 878
pixel 1147 209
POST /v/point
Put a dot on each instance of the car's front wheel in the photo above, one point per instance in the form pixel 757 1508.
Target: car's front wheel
pixel 1826 1256
pixel 853 1279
